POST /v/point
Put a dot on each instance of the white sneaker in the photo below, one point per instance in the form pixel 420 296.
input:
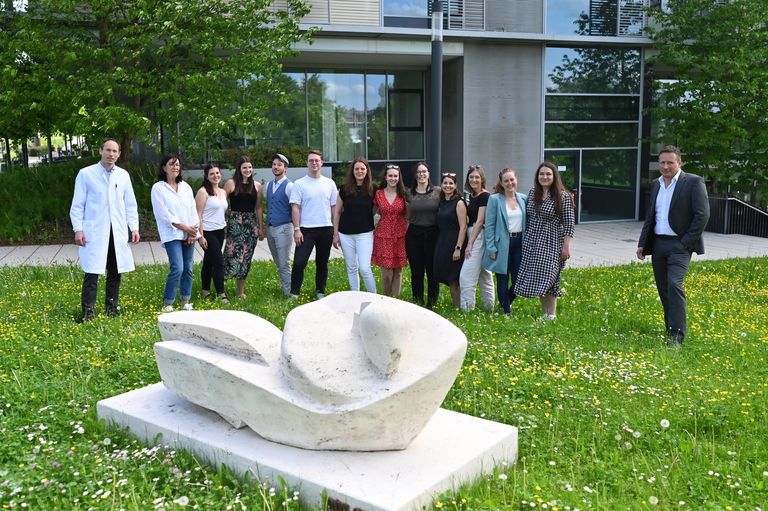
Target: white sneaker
pixel 167 308
pixel 320 296
pixel 187 307
pixel 292 296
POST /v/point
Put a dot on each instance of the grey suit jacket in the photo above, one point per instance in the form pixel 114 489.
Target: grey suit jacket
pixel 688 213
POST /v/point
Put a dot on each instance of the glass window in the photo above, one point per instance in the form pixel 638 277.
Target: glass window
pixel 596 17
pixel 405 110
pixel 404 7
pixel 592 108
pixel 287 123
pixel 593 70
pixel 405 13
pixel 567 16
pixel 406 145
pixel 567 135
pixel 336 103
pixel 376 116
pixel 608 184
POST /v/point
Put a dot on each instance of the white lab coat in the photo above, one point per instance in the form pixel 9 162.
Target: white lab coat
pixel 98 205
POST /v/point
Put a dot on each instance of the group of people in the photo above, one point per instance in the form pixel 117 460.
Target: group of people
pixel 444 235
pixel 455 239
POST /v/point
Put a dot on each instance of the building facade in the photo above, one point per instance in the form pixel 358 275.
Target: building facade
pixel 523 81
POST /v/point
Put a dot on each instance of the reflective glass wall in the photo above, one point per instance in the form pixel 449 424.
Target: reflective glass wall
pixel 592 123
pixel 597 17
pixel 376 115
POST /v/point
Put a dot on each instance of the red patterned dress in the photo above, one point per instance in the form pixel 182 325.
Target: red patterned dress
pixel 389 237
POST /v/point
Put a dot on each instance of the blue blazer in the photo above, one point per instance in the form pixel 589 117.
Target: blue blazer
pixel 497 232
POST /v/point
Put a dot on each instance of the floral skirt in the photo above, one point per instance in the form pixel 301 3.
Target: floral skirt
pixel 242 236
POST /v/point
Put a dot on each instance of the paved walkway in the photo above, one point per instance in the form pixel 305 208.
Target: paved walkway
pixel 594 245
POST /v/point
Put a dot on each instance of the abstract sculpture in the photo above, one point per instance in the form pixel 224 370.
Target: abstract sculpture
pixel 354 371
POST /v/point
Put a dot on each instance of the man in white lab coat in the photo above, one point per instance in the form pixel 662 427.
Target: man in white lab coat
pixel 103 211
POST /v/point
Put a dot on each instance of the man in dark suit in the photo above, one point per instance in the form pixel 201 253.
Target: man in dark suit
pixel 677 215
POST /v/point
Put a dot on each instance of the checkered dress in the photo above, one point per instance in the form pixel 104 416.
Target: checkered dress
pixel 542 242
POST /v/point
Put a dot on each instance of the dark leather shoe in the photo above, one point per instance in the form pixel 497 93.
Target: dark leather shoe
pixel 88 314
pixel 112 309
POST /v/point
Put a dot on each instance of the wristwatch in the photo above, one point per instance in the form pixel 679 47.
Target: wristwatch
pixel 296 228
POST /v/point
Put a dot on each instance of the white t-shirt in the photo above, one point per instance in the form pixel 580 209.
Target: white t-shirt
pixel 315 195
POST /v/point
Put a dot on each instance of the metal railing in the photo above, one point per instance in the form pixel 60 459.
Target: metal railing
pixel 731 215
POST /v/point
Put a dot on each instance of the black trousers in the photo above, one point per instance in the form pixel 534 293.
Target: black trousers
pixel 670 262
pixel 320 239
pixel 420 248
pixel 91 282
pixel 213 261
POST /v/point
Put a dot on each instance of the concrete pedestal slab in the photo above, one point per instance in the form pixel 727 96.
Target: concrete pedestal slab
pixel 451 450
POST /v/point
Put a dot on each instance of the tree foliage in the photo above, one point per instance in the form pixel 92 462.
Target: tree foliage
pixel 715 106
pixel 201 69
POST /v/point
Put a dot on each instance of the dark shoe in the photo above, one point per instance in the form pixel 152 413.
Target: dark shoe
pixel 88 315
pixel 112 308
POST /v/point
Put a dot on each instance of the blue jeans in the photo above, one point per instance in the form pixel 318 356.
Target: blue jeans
pixel 181 257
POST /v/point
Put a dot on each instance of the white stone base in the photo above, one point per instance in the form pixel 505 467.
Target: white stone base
pixel 451 450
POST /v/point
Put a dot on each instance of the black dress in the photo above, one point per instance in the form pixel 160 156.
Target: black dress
pixel 445 268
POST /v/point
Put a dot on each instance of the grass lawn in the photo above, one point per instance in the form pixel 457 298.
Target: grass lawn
pixel 609 417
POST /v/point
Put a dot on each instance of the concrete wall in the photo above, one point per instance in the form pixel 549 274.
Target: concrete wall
pixel 502 109
pixel 514 16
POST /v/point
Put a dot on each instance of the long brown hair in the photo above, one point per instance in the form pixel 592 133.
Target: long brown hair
pixel 350 183
pixel 555 191
pixel 498 187
pixel 400 186
pixel 248 187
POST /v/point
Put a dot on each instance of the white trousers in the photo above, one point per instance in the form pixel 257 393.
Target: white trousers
pixel 357 249
pixel 472 273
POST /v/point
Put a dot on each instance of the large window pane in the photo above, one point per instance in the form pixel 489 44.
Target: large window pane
pixel 287 123
pixel 406 80
pixel 376 110
pixel 608 184
pixel 406 145
pixel 592 70
pixel 595 17
pixel 567 135
pixel 336 114
pixel 406 115
pixel 404 7
pixel 592 108
pixel 405 13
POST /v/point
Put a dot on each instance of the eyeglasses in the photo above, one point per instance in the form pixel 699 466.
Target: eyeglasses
pixel 448 174
pixel 475 167
pixel 390 166
pixel 422 171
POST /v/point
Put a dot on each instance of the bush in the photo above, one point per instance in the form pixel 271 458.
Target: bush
pixel 261 155
pixel 42 216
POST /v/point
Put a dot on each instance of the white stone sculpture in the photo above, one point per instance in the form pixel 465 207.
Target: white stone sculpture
pixel 354 371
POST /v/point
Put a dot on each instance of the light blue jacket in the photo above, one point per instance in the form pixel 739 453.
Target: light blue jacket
pixel 497 233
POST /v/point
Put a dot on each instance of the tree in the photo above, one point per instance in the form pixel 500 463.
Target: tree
pixel 715 105
pixel 198 69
